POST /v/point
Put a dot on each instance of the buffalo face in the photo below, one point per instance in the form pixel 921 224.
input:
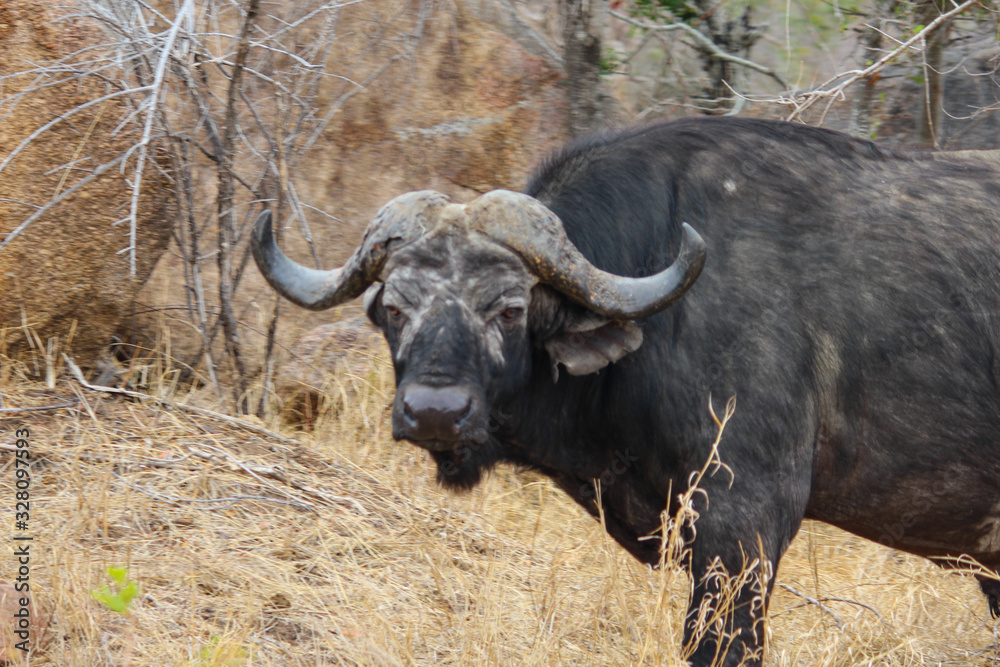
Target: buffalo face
pixel 454 310
pixel 466 294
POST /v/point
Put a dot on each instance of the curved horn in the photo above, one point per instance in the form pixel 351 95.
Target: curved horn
pixel 402 220
pixel 528 227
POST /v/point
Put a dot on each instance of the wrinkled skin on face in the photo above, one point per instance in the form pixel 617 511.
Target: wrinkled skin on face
pixel 454 312
pixel 463 317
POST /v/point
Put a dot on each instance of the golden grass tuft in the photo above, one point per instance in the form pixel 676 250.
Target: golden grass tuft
pixel 341 550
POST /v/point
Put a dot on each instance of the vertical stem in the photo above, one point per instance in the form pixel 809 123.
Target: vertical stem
pixel 227 214
pixel 190 249
pixel 272 327
pixel 930 116
pixel 582 21
pixel 861 115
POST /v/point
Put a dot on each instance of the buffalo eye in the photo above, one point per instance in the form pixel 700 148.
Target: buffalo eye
pixel 395 314
pixel 511 315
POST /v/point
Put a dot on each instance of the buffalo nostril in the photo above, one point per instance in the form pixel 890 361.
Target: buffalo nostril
pixel 436 413
pixel 463 418
pixel 409 418
pixel 408 414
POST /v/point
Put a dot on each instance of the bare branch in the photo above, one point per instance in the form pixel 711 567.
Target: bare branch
pixel 61 118
pixel 703 42
pixel 813 601
pixel 226 207
pixel 241 423
pixel 62 197
pixel 810 98
pixel 152 106
pixel 58 406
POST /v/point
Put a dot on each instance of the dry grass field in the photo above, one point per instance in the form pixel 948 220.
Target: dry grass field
pixel 335 547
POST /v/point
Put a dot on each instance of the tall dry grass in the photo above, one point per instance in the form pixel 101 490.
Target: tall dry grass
pixel 335 547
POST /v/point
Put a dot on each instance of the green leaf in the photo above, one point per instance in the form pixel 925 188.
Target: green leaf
pixel 610 60
pixel 117 601
pixel 119 574
pixel 110 600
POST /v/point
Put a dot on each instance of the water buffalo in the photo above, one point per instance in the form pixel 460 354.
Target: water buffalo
pixel 851 303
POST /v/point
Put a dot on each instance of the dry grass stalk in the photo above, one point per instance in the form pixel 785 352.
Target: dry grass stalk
pixel 241 560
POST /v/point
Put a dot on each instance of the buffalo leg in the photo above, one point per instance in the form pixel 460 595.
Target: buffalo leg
pixel 991 587
pixel 733 561
pixel 725 617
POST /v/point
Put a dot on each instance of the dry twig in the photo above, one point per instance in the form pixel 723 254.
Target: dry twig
pixel 703 43
pixel 241 423
pixel 801 102
pixel 58 406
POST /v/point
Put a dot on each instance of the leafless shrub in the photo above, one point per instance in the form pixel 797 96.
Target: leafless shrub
pixel 708 38
pixel 834 89
pixel 229 98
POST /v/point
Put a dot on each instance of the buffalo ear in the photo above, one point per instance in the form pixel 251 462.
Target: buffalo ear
pixel 373 301
pixel 591 345
pixel 579 339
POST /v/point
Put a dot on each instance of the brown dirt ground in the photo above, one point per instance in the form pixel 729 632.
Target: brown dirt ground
pixel 335 547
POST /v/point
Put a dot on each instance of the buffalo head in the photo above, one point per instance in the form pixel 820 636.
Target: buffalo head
pixel 466 294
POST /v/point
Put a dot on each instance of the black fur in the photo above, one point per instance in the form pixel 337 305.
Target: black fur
pixel 991 587
pixel 850 303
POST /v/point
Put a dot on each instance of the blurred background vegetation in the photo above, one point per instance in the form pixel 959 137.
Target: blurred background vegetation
pixel 323 110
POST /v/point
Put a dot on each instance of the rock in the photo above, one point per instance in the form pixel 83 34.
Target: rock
pixel 327 364
pixel 472 111
pixel 38 623
pixel 64 273
pixel 471 107
pixel 477 106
